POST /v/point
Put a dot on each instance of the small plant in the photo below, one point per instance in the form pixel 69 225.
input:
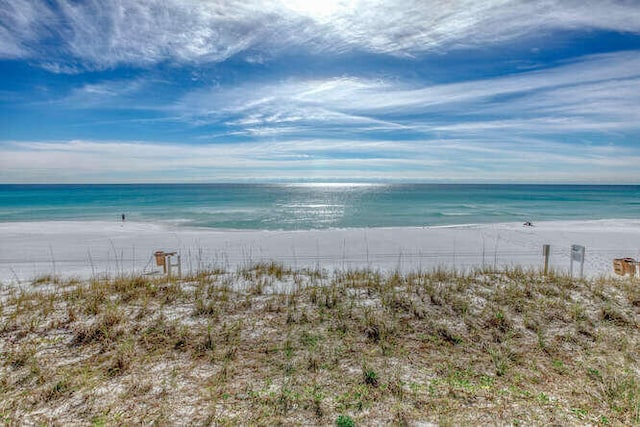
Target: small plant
pixel 594 374
pixel 612 314
pixel 500 360
pixel 56 391
pixel 288 349
pixel 373 332
pixel 449 336
pixel 208 343
pixel 206 308
pixel 370 377
pixel 395 386
pixel 543 398
pixel 317 396
pixel 313 362
pixel 345 421
pixel 20 357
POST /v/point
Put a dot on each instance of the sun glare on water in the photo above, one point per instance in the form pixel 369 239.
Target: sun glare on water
pixel 335 184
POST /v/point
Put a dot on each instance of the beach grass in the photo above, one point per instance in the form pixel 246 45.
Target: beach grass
pixel 267 344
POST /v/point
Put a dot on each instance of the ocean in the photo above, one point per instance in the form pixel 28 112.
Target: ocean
pixel 317 206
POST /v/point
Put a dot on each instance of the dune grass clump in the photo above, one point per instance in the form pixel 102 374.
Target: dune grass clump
pixel 269 344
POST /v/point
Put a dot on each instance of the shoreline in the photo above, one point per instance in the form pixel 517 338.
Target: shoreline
pixel 171 225
pixel 87 248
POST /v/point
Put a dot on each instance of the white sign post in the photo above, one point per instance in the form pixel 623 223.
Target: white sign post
pixel 577 255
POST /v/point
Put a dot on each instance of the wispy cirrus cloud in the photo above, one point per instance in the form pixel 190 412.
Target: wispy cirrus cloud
pixel 593 93
pixel 23 24
pixel 430 160
pixel 103 34
pixel 107 94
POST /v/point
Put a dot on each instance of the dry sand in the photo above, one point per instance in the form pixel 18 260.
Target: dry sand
pixel 83 249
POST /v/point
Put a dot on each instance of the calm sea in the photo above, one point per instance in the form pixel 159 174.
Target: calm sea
pixel 307 206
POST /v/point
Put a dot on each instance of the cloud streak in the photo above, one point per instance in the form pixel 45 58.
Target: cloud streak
pixel 103 34
pixel 425 160
pixel 23 23
pixel 591 94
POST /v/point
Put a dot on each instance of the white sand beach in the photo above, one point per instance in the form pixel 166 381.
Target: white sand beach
pixel 83 249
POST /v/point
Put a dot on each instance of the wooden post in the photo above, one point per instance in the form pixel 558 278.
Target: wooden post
pixel 571 266
pixel 545 253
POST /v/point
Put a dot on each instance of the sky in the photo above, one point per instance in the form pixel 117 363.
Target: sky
pixel 118 91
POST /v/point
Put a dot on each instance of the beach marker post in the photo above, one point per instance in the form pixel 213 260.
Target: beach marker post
pixel 577 254
pixel 163 259
pixel 546 249
pixel 170 256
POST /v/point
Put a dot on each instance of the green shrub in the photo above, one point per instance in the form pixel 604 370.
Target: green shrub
pixel 345 421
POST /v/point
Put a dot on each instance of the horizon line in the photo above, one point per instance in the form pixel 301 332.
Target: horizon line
pixel 331 183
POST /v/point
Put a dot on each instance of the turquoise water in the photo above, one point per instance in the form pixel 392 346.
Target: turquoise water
pixel 307 206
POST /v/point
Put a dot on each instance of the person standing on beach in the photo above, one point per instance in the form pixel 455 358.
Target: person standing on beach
pixel 122 217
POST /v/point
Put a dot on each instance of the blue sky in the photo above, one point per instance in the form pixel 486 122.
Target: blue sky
pixel 333 90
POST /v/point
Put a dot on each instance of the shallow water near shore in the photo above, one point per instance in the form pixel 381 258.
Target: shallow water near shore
pixel 317 206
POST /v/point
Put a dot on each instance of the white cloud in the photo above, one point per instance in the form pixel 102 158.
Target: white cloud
pixel 430 160
pixel 22 24
pixel 112 94
pixel 413 26
pixel 596 94
pixel 106 33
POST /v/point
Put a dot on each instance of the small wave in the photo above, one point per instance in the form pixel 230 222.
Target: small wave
pixel 221 211
pixel 311 205
pixel 176 222
pixel 455 213
pixel 334 184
